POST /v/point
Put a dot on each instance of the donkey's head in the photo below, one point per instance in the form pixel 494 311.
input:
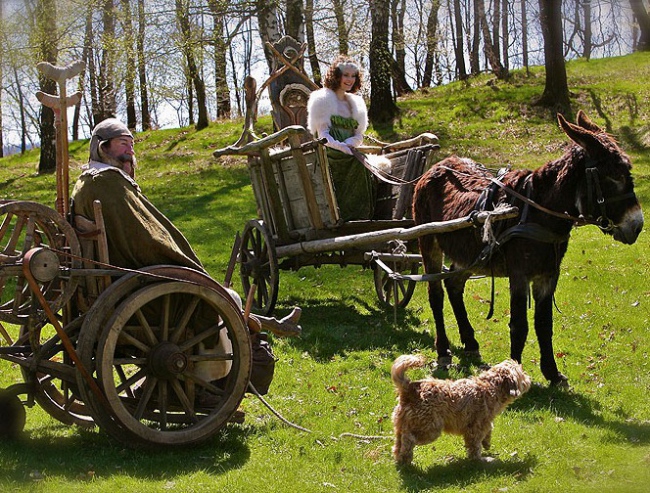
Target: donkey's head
pixel 606 195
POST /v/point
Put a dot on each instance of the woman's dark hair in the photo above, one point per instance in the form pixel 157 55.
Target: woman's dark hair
pixel 333 77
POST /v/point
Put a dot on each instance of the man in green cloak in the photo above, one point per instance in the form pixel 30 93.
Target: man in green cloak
pixel 138 233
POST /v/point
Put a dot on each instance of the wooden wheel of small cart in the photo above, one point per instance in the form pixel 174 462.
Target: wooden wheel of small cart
pixel 259 266
pixel 173 358
pixel 35 234
pixel 394 292
pixel 23 227
pixel 58 396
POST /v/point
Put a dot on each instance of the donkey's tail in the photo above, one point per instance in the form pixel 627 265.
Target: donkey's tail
pixel 403 363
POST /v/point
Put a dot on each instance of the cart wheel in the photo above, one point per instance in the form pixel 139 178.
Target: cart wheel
pixel 173 358
pixel 23 227
pixel 390 291
pixel 58 397
pixel 12 415
pixel 259 265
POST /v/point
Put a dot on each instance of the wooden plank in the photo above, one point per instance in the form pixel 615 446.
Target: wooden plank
pixel 278 225
pixel 328 187
pixel 305 180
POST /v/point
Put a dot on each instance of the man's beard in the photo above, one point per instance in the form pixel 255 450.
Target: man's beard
pixel 125 162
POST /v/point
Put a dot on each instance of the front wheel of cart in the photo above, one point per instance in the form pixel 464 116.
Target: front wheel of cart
pixel 394 292
pixel 171 353
pixel 259 266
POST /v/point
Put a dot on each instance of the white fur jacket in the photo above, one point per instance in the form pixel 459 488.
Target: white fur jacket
pixel 323 104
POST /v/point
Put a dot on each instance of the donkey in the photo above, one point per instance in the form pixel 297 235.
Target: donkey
pixel 590 184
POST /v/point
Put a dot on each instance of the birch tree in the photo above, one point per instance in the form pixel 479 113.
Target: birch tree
pixel 196 85
pixel 46 41
pixel 643 20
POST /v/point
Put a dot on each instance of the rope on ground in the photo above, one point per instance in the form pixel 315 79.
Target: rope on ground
pixel 276 413
pixel 366 437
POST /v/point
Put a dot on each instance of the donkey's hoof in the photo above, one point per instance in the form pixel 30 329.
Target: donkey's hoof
pixel 561 381
pixel 474 354
pixel 444 362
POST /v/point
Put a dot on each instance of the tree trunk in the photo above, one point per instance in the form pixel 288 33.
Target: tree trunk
pixel 294 22
pixel 556 89
pixel 91 67
pixel 496 28
pixel 311 41
pixel 21 109
pixel 432 43
pixel 398 10
pixel 106 86
pixel 220 59
pixel 81 87
pixel 341 28
pixel 586 9
pixel 47 51
pixel 505 26
pixel 474 58
pixel 194 77
pixel 129 77
pixel 490 51
pixel 524 37
pixel 142 70
pixel 382 107
pixel 267 21
pixel 461 71
pixel 643 20
pixel 400 83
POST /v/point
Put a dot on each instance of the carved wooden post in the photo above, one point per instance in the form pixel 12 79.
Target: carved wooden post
pixel 59 105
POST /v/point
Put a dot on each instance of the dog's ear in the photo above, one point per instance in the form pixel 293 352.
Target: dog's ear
pixel 510 383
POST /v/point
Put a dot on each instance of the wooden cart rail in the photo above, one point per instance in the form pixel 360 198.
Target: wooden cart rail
pixel 364 239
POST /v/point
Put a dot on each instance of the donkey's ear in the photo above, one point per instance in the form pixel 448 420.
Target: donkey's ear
pixel 581 136
pixel 585 122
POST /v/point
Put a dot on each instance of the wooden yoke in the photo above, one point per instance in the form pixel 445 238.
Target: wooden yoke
pixel 59 104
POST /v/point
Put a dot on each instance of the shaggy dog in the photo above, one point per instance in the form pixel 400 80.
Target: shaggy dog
pixel 464 407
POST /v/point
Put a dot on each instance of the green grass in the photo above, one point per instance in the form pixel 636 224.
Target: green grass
pixel 334 379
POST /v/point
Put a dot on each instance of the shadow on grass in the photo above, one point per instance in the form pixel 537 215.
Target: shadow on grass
pixel 464 472
pixel 84 455
pixel 580 408
pixel 334 327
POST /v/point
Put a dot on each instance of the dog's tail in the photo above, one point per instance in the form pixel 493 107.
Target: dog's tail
pixel 403 363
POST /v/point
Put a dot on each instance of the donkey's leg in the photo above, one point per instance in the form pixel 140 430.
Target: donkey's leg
pixel 518 315
pixel 455 286
pixel 432 263
pixel 543 294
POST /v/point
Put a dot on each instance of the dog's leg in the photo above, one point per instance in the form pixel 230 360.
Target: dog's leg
pixel 487 439
pixel 403 449
pixel 473 445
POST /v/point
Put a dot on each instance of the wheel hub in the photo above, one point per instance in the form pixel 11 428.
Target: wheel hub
pixel 167 361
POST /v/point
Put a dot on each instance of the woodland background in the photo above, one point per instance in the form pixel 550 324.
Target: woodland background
pixel 173 63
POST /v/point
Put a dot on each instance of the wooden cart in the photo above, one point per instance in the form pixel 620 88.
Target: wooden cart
pixel 130 357
pixel 157 356
pixel 298 222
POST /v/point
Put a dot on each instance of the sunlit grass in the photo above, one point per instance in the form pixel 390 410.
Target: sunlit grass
pixel 334 379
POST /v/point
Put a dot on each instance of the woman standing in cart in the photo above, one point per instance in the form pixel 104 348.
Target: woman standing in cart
pixel 338 114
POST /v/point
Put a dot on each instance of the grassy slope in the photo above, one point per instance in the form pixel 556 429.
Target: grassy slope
pixel 334 379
